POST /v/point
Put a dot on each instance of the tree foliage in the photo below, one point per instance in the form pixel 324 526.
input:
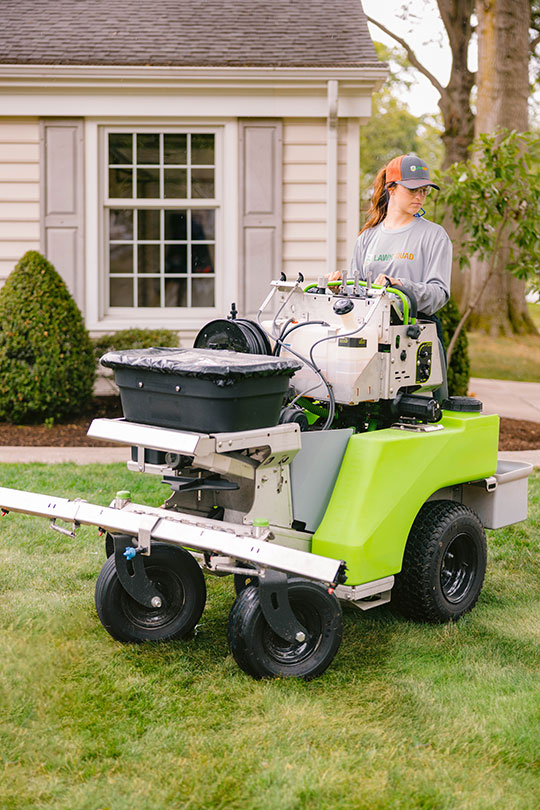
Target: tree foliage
pixel 392 129
pixel 455 96
pixel 495 199
pixel 46 357
pixel 496 194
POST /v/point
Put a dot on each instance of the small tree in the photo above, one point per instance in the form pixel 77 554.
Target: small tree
pixel 495 198
pixel 47 364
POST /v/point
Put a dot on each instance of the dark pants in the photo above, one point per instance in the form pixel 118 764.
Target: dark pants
pixel 440 393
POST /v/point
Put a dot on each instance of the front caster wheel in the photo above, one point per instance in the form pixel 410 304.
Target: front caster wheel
pixel 443 565
pixel 242 581
pixel 260 652
pixel 176 575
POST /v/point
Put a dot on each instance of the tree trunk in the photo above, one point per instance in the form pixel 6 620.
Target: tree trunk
pixel 457 115
pixel 503 89
pixel 455 100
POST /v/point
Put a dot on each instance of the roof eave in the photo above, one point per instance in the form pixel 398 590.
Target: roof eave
pixel 367 76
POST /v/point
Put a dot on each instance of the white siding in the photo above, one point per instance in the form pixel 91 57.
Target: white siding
pixel 19 191
pixel 304 198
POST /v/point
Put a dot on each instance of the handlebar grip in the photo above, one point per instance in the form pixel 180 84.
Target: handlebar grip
pixel 413 303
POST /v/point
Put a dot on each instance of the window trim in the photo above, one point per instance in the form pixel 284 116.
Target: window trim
pixel 101 317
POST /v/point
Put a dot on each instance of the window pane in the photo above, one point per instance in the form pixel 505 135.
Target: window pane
pixel 175 225
pixel 120 223
pixel 120 183
pixel 175 183
pixel 202 259
pixel 148 183
pixel 202 292
pixel 147 149
pixel 148 256
pixel 149 295
pixel 175 149
pixel 202 149
pixel 202 183
pixel 148 224
pixel 203 225
pixel 121 292
pixel 120 148
pixel 161 255
pixel 176 292
pixel 175 258
pixel 121 258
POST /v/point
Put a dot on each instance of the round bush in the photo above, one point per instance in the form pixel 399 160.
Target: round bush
pixel 134 339
pixel 459 370
pixel 47 364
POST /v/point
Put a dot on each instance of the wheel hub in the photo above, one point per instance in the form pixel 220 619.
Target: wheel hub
pixel 458 568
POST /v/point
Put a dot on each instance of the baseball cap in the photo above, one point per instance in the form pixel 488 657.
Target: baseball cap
pixel 409 171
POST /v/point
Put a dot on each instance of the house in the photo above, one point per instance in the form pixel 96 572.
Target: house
pixel 172 157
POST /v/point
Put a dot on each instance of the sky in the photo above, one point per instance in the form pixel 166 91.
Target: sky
pixel 424 31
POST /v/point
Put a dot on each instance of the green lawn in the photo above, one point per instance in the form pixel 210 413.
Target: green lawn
pixel 513 358
pixel 534 312
pixel 408 716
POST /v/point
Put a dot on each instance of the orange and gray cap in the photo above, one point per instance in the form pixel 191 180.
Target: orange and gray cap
pixel 409 171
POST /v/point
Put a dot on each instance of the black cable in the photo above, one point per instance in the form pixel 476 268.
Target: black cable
pixel 299 356
pixel 279 338
pixel 283 335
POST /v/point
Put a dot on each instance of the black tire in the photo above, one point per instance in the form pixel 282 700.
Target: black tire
pixel 259 652
pixel 242 581
pixel 443 565
pixel 177 576
pixel 109 545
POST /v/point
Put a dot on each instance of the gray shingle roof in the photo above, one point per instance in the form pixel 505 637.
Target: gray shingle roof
pixel 284 33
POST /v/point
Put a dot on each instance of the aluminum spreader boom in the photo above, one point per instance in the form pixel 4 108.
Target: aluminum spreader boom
pixel 246 543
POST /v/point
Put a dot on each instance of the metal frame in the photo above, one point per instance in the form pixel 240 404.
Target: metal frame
pixel 246 543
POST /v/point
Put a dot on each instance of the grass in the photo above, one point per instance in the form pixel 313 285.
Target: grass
pixel 534 312
pixel 408 716
pixel 511 358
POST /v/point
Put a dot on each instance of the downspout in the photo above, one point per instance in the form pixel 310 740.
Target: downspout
pixel 332 176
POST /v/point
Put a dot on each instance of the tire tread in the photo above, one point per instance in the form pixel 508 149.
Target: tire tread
pixel 413 592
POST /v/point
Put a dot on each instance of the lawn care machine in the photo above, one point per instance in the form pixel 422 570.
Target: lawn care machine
pixel 309 455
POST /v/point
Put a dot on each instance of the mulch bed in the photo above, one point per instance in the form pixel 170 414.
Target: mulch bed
pixel 71 434
pixel 515 434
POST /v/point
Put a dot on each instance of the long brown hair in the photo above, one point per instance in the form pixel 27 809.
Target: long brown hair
pixel 379 201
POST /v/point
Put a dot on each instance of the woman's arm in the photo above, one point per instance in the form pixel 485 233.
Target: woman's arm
pixel 433 291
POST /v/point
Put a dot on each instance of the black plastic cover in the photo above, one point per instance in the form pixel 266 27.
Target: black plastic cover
pixel 209 364
pixel 463 404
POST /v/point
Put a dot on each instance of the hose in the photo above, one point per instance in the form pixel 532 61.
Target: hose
pixel 283 335
pixel 300 357
pixel 409 302
pixel 312 407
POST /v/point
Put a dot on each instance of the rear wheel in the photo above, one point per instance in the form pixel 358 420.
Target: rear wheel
pixel 176 575
pixel 443 565
pixel 260 652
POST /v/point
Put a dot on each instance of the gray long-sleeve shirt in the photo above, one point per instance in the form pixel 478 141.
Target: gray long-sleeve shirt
pixel 419 255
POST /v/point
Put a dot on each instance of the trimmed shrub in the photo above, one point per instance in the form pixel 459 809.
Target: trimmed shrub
pixel 459 371
pixel 47 365
pixel 134 339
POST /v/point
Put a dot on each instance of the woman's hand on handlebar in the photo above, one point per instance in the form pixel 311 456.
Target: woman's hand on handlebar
pixel 382 280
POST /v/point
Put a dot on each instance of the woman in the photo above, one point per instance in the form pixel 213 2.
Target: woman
pixel 397 244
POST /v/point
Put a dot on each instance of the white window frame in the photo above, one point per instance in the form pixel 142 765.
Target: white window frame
pixel 99 316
